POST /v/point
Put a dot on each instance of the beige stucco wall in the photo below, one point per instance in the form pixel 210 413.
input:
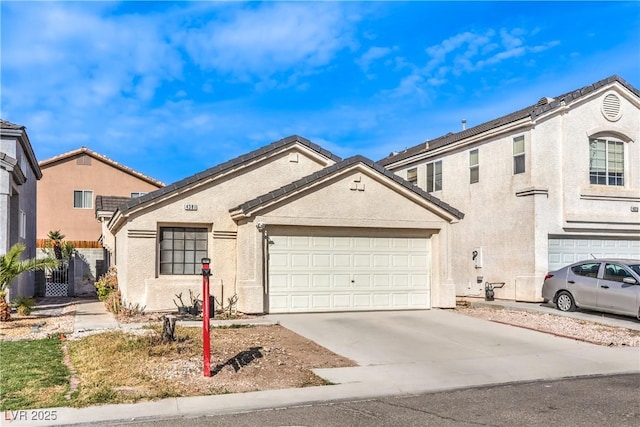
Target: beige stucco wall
pixel 55 195
pixel 137 240
pixel 510 217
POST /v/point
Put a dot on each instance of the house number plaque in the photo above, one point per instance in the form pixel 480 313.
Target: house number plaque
pixel 190 207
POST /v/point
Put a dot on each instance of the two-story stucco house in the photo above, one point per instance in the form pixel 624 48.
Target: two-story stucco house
pixel 542 187
pixel 289 227
pixel 67 194
pixel 19 172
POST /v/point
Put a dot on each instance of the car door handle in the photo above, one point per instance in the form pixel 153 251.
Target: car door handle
pixel 571 281
pixel 604 286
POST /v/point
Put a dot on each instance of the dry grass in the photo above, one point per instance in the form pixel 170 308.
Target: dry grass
pixel 116 367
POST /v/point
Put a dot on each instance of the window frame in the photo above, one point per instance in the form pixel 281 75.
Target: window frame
pixel 434 176
pixel 412 176
pixel 519 157
pixel 602 174
pixel 83 194
pixel 179 263
pixel 474 168
pixel 616 277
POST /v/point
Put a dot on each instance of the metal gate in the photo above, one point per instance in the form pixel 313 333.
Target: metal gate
pixel 57 281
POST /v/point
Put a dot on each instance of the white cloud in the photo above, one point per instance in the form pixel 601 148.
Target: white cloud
pixel 261 40
pixel 373 54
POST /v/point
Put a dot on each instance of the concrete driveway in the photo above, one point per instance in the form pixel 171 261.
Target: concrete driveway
pixel 418 351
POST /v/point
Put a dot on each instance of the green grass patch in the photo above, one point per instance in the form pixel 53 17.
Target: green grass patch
pixel 32 374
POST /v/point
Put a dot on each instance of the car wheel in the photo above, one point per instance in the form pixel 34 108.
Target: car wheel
pixel 565 302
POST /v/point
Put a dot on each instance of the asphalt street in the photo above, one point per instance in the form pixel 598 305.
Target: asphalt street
pixel 591 401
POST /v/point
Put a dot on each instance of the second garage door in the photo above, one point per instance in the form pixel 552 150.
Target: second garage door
pixel 564 251
pixel 342 273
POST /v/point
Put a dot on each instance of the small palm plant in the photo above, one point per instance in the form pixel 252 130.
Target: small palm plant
pixel 11 266
pixel 56 239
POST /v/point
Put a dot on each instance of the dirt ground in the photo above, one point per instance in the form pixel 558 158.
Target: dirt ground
pixel 242 358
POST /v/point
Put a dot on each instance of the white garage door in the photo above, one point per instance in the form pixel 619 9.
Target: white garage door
pixel 567 251
pixel 323 273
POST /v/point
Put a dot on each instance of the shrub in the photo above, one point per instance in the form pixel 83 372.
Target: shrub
pixel 112 302
pixel 107 284
pixel 24 305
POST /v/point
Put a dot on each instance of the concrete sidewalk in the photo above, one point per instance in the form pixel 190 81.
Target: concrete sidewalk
pixel 397 353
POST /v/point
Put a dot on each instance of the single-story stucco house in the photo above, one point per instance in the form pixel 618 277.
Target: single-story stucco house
pixel 289 227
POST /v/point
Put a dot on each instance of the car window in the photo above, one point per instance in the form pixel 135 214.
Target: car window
pixel 636 268
pixel 587 270
pixel 615 272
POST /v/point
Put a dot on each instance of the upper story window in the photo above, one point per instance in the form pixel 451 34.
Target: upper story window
pixel 412 176
pixel 434 176
pixel 474 166
pixel 182 249
pixel 606 162
pixel 83 199
pixel 518 155
pixel 137 194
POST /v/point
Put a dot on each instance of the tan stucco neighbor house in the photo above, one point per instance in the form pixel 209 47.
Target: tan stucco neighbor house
pixel 289 227
pixel 67 200
pixel 542 187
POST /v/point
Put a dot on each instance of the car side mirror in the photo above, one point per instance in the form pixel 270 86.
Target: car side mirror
pixel 630 281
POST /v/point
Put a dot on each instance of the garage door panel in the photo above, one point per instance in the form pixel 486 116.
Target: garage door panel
pixel 419 261
pixel 362 281
pixel 321 302
pixel 321 273
pixel 381 261
pixel 400 299
pixel 299 281
pixel 341 280
pixel 341 260
pixel 321 281
pixel 321 260
pixel 341 301
pixel 381 281
pixel 362 301
pixel 279 282
pixel 362 260
pixel 400 261
pixel 565 251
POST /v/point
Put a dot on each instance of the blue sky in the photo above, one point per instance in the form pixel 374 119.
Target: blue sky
pixel 173 88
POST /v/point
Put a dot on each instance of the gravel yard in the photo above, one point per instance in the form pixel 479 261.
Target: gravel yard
pixel 558 325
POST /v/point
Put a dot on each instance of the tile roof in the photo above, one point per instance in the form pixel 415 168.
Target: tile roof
pixel 344 164
pixel 110 203
pixel 226 166
pixel 87 151
pixel 8 125
pixel 20 132
pixel 542 106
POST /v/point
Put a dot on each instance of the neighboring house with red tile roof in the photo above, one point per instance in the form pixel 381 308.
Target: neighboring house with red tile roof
pixel 67 196
pixel 19 172
pixel 542 187
pixel 289 227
